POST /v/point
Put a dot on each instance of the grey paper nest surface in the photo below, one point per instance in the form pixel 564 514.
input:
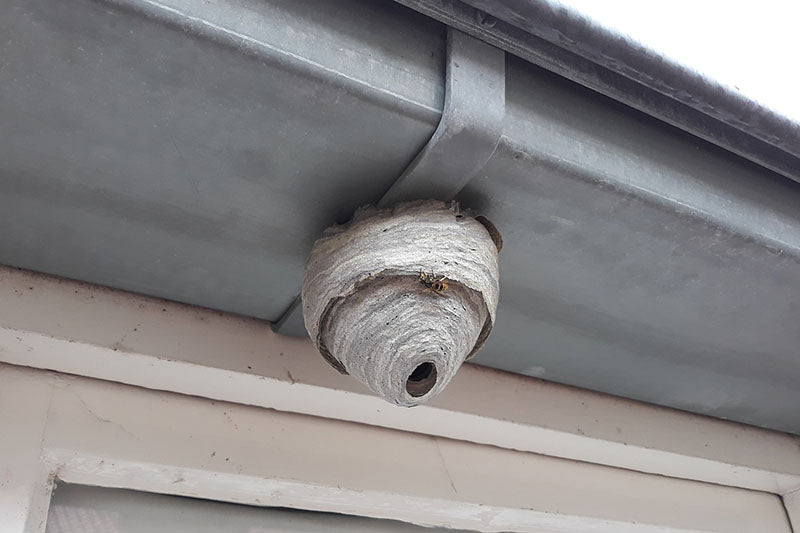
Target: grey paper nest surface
pixel 370 316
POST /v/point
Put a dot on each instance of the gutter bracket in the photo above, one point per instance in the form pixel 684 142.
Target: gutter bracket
pixel 466 137
pixel 470 127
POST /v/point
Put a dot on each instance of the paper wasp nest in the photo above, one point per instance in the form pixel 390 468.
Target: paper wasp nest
pixel 400 297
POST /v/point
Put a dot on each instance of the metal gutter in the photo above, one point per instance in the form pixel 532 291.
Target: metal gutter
pixel 564 41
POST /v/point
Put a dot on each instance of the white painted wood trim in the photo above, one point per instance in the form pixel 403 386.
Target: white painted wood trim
pixel 51 323
pixel 25 480
pixel 108 434
pixel 791 502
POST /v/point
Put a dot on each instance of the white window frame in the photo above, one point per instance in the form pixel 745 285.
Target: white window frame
pixel 107 388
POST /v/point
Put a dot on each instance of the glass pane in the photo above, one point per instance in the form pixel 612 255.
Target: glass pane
pixel 82 509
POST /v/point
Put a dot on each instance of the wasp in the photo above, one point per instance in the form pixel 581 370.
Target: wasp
pixel 437 285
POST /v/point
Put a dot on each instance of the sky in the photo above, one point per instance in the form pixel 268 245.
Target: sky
pixel 750 47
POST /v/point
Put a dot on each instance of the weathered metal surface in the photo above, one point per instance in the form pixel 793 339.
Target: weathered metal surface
pixel 195 151
pixel 640 261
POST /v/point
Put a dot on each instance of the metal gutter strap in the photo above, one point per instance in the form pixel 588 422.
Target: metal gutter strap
pixel 565 42
pixel 470 127
pixel 466 137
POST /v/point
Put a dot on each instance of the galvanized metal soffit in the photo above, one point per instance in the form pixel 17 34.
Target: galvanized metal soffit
pixel 567 43
pixel 465 139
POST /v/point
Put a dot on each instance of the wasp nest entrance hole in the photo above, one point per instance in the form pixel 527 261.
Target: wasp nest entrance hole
pixel 421 380
pixel 399 298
